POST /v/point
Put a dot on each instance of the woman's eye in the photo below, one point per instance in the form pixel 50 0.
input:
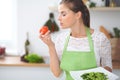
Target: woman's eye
pixel 63 14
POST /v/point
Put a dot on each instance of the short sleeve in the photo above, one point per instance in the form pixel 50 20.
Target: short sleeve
pixel 59 44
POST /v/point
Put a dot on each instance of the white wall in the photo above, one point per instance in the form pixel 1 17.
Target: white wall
pixel 32 14
pixel 108 19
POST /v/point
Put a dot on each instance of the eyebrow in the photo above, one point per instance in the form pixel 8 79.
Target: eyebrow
pixel 65 11
pixel 62 12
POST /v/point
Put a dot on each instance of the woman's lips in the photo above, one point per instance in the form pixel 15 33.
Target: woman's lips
pixel 61 24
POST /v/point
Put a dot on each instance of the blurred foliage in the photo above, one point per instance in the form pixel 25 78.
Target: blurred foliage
pixel 92 4
pixel 116 32
pixel 34 58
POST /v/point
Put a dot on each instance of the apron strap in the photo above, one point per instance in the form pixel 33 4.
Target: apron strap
pixel 68 76
pixel 89 40
pixel 66 43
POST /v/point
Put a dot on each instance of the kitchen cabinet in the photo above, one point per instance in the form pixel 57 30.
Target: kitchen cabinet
pixel 31 73
pixel 26 73
pixel 11 68
pixel 15 70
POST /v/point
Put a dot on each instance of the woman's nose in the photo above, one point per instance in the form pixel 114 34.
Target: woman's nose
pixel 59 18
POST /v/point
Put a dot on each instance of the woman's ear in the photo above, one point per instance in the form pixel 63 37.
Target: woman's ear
pixel 78 15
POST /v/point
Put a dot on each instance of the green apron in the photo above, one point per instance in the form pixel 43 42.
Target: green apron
pixel 77 60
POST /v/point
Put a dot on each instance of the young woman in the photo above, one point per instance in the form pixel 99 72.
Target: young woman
pixel 82 47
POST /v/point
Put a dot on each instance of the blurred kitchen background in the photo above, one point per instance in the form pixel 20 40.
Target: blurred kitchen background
pixel 19 17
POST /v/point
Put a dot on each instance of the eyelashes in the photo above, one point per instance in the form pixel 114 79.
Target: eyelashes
pixel 63 14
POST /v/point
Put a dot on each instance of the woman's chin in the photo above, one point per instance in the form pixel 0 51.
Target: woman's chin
pixel 63 27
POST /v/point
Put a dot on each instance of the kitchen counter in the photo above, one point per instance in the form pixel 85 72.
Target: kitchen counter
pixel 15 61
pixel 14 69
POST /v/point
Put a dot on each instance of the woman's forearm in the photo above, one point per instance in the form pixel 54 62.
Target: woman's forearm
pixel 54 61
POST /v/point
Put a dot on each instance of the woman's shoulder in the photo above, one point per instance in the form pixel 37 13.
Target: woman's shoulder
pixel 64 33
pixel 62 36
pixel 98 35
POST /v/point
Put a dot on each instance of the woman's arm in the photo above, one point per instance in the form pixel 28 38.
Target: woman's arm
pixel 54 60
pixel 108 68
pixel 106 59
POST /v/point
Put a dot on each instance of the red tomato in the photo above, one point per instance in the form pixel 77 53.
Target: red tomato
pixel 43 30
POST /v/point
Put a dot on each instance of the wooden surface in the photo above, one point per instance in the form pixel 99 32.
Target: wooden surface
pixel 15 61
pixel 105 9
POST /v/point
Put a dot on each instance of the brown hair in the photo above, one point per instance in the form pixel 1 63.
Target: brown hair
pixel 78 5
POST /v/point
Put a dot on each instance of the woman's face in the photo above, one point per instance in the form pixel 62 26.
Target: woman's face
pixel 66 17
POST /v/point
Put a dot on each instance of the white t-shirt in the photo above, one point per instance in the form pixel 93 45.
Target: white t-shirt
pixel 102 46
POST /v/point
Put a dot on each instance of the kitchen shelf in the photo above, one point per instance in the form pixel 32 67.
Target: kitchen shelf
pixel 105 9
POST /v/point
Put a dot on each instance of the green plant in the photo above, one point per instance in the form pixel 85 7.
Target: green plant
pixel 94 76
pixel 117 32
pixel 34 58
pixel 92 4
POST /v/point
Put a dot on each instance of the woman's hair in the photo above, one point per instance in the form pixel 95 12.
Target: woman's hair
pixel 78 5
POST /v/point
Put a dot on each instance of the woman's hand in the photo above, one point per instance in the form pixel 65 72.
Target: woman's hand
pixel 46 38
pixel 54 60
pixel 108 68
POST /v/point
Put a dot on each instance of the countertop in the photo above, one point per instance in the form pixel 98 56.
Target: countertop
pixel 15 61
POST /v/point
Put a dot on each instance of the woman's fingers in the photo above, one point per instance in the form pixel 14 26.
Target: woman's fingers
pixel 46 37
pixel 47 33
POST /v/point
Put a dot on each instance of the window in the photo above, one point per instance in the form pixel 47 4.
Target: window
pixel 8 24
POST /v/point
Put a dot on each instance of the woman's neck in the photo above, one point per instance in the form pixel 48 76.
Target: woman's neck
pixel 78 31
